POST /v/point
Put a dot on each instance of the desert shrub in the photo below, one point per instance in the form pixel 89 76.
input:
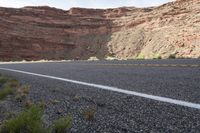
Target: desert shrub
pixel 28 121
pixel 12 83
pixel 90 113
pixel 22 92
pixel 155 56
pixel 5 92
pixel 159 57
pixel 172 56
pixel 25 89
pixel 62 125
pixel 8 86
pixel 3 79
pixel 140 57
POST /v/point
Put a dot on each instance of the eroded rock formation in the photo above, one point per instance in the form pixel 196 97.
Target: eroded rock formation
pixel 34 33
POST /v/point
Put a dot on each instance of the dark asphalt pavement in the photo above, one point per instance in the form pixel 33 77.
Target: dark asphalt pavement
pixel 176 79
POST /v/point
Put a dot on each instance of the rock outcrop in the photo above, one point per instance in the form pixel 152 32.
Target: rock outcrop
pixel 34 33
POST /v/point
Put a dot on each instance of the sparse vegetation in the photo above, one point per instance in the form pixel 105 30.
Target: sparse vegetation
pixel 62 124
pixel 93 58
pixel 22 92
pixel 25 89
pixel 28 104
pixel 7 86
pixel 172 56
pixel 159 57
pixel 28 121
pixel 55 101
pixel 10 86
pixel 76 98
pixel 156 56
pixel 5 92
pixel 90 113
pixel 3 79
pixel 110 58
pixel 12 83
pixel 140 57
pixel 9 114
pixel 42 104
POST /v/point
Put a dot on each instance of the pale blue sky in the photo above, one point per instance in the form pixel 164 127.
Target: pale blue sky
pixel 66 4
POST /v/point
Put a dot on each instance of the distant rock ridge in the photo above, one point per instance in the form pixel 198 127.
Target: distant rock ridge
pixel 34 33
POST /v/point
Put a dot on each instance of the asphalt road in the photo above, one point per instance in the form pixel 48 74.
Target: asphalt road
pixel 119 112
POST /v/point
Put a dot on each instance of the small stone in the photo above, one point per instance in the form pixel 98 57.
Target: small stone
pixel 60 111
pixel 76 98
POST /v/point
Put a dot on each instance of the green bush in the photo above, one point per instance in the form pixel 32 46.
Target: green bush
pixel 28 121
pixel 159 57
pixel 6 91
pixel 140 57
pixel 8 86
pixel 156 56
pixel 172 56
pixel 3 80
pixel 61 125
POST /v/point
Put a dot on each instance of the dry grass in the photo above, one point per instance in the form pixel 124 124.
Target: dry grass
pixel 28 104
pixel 55 101
pixel 76 98
pixel 93 59
pixel 12 83
pixel 22 92
pixel 111 58
pixel 90 113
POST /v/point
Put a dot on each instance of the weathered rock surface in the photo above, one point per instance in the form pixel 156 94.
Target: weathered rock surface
pixel 34 33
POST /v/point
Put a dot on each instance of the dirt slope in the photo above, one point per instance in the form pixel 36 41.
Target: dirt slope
pixel 34 33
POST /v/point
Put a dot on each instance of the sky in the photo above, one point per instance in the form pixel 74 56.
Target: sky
pixel 66 4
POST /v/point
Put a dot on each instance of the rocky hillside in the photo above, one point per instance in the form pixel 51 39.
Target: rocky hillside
pixel 34 33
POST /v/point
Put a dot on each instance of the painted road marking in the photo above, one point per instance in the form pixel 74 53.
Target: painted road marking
pixel 114 89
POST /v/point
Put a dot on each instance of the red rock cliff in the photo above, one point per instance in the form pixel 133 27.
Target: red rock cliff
pixel 34 33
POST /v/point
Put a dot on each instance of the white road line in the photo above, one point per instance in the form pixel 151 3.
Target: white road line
pixel 114 89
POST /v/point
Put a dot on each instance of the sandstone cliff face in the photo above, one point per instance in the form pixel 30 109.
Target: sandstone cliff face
pixel 34 33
